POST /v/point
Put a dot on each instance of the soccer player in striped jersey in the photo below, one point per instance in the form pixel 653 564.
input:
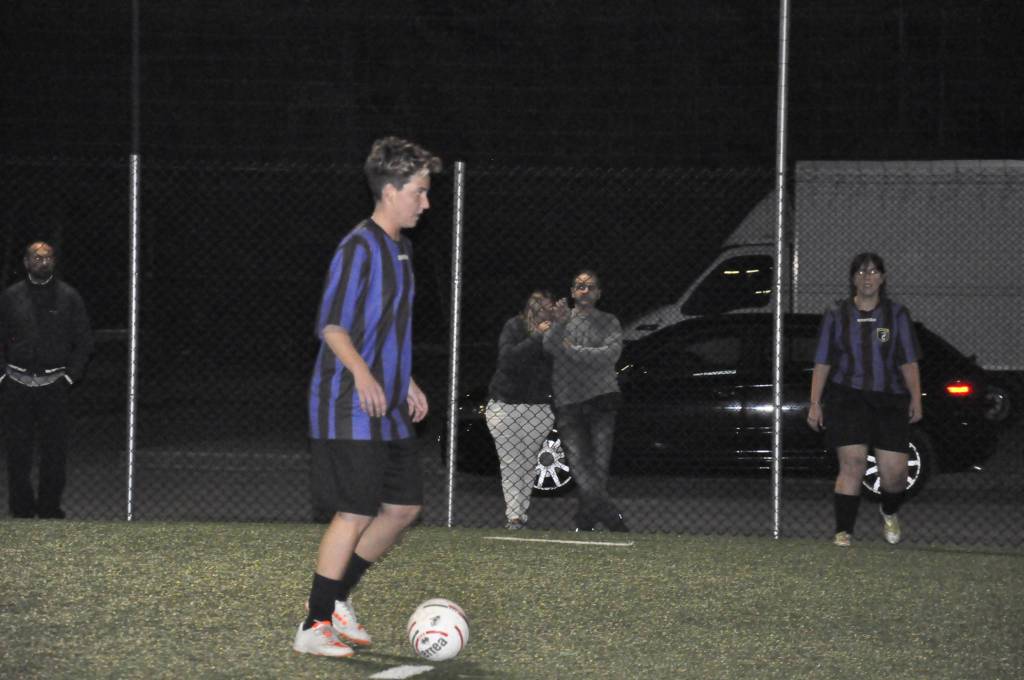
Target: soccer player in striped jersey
pixel 868 356
pixel 363 401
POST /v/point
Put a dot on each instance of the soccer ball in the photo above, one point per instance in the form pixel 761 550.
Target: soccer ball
pixel 438 629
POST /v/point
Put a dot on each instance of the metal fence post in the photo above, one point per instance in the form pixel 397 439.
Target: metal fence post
pixel 456 322
pixel 133 331
pixel 780 214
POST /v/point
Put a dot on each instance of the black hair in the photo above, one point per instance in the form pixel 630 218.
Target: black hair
pixel 588 272
pixel 858 262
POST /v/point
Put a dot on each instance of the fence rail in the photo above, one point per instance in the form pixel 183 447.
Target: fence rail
pixel 232 256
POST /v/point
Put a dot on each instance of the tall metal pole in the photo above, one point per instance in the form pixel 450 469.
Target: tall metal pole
pixel 135 78
pixel 456 324
pixel 133 334
pixel 780 263
pixel 133 266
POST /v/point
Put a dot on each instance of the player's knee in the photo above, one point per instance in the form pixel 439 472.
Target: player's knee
pixel 852 468
pixel 402 514
pixel 894 481
pixel 352 520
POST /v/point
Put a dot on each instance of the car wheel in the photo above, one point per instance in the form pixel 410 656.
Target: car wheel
pixel 919 467
pixel 998 403
pixel 553 473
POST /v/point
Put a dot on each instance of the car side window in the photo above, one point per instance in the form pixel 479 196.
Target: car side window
pixel 679 354
pixel 710 355
pixel 800 344
pixel 737 283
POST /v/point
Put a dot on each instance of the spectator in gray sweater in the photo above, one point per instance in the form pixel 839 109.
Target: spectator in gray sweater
pixel 585 343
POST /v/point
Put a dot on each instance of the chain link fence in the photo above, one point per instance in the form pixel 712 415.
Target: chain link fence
pixel 233 257
pixel 80 208
pixel 647 234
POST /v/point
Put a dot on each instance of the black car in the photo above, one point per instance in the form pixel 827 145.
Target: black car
pixel 697 399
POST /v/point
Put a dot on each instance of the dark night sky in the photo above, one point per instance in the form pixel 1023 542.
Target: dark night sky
pixel 538 82
pixel 527 83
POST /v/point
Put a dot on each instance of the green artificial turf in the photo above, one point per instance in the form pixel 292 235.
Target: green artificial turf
pixel 142 600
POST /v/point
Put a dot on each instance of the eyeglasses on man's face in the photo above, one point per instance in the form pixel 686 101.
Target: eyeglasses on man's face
pixel 870 271
pixel 581 286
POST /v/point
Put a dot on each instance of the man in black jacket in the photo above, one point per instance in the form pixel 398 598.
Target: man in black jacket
pixel 45 340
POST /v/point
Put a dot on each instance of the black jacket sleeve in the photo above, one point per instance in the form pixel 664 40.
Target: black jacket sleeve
pixel 5 303
pixel 82 341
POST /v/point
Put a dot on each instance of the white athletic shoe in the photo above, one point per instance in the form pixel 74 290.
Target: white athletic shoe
pixel 347 626
pixel 321 640
pixel 891 527
pixel 842 539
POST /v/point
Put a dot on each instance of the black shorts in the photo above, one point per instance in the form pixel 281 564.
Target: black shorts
pixel 357 476
pixel 876 419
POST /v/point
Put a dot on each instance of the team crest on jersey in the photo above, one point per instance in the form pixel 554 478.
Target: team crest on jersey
pixel 883 334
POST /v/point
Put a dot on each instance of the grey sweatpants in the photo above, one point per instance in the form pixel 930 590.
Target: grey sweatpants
pixel 519 431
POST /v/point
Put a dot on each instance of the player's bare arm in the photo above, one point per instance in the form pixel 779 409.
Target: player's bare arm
pixel 815 418
pixel 371 395
pixel 912 379
pixel 417 401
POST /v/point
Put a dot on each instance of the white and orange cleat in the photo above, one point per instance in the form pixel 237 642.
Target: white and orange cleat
pixel 347 626
pixel 320 640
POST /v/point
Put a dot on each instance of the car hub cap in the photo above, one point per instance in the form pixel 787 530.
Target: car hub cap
pixel 552 469
pixel 873 483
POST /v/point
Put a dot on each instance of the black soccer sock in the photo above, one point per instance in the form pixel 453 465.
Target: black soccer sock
pixel 357 566
pixel 846 511
pixel 321 600
pixel 891 501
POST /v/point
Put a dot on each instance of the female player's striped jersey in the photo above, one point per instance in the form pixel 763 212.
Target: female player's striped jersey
pixel 866 349
pixel 369 292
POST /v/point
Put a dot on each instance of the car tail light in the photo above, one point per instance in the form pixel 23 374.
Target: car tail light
pixel 959 388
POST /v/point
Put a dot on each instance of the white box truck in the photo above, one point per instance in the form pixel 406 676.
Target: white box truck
pixel 951 234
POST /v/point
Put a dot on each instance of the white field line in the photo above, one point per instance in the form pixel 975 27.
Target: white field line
pixel 555 540
pixel 399 672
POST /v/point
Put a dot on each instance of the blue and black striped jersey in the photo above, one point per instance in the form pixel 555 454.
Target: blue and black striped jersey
pixel 866 349
pixel 369 292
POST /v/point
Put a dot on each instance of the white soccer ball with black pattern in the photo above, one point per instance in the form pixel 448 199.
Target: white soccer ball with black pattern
pixel 438 629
